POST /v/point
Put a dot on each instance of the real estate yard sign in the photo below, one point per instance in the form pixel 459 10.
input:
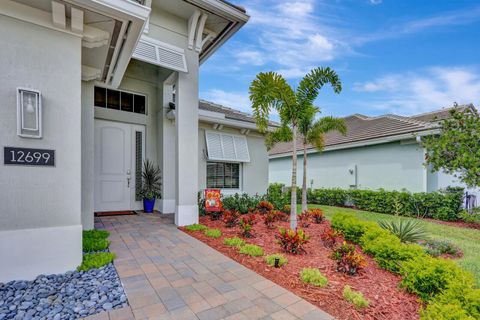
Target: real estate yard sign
pixel 212 200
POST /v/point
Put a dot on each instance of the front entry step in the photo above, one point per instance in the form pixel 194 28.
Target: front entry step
pixel 114 213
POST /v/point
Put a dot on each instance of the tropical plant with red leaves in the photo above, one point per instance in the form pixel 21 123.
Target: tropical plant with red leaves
pixel 348 260
pixel 316 215
pixel 269 218
pixel 281 216
pixel 264 206
pixel 292 241
pixel 304 218
pixel 286 208
pixel 230 218
pixel 329 237
pixel 246 224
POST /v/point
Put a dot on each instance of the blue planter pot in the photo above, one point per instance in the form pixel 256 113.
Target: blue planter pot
pixel 148 205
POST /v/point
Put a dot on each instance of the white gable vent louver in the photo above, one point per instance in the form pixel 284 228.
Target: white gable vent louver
pixel 161 54
pixel 227 147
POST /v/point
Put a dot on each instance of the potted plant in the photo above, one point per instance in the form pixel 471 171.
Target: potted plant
pixel 151 185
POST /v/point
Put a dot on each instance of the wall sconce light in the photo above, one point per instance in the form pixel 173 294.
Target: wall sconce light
pixel 29 113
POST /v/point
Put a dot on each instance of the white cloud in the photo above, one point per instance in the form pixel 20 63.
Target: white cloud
pixel 416 92
pixel 251 57
pixel 235 100
pixel 375 2
pixel 299 8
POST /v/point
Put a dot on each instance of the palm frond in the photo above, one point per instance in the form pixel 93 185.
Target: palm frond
pixel 322 126
pixel 311 84
pixel 270 91
pixel 282 134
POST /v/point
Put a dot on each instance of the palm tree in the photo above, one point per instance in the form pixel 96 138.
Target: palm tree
pixel 270 91
pixel 312 132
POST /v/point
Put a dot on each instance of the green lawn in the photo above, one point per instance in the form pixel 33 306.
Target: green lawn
pixel 466 239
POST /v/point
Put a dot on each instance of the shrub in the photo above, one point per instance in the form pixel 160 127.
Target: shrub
pixel 230 218
pixel 304 218
pixel 95 260
pixel 270 259
pixel 348 260
pixel 94 244
pixel 292 241
pixel 286 208
pixel 234 242
pixel 314 277
pixel 442 205
pixel 269 218
pixel 473 217
pixel 436 248
pixel 213 233
pixel 282 216
pixel 251 250
pixel 406 230
pixel 246 224
pixel 277 196
pixel 264 206
pixel 96 234
pixel 196 227
pixel 426 276
pixel 329 237
pixel 242 203
pixel 317 215
pixel 354 297
pixel 215 215
pixel 352 228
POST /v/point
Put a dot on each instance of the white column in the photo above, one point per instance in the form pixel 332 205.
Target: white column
pixel 186 125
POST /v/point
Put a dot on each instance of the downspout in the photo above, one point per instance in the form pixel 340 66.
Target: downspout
pixel 425 167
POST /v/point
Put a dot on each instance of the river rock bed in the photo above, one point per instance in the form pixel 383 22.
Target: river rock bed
pixel 65 296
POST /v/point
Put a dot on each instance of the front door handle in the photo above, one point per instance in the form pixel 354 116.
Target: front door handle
pixel 128 182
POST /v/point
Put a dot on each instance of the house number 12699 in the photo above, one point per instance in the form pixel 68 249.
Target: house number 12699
pixel 30 157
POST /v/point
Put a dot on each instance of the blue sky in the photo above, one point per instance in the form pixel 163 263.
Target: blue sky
pixel 393 56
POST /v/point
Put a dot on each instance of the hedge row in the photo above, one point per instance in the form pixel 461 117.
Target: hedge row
pixel 449 290
pixel 441 205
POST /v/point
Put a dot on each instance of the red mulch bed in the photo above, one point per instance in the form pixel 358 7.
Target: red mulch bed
pixel 387 300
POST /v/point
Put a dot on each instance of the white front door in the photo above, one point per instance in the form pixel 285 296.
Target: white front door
pixel 116 165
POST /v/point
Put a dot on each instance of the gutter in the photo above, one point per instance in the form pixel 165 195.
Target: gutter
pixel 357 144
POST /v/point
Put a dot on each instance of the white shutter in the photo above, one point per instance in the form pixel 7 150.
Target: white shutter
pixel 161 54
pixel 241 149
pixel 214 145
pixel 227 147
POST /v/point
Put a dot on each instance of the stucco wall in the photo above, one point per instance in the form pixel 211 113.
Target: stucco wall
pixel 391 166
pixel 254 173
pixel 40 206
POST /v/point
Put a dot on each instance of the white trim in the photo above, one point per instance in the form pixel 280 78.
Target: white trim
pixel 361 143
pixel 166 206
pixel 222 9
pixel 51 250
pixel 214 117
pixel 192 26
pixel 201 27
pixel 186 215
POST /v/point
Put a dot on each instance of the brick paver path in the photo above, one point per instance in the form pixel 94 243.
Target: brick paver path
pixel 169 275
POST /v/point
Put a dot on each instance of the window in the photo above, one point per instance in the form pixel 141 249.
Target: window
pixel 223 175
pixel 226 147
pixel 120 100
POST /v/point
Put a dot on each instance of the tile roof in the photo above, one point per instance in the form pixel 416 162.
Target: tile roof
pixel 439 115
pixel 362 128
pixel 228 112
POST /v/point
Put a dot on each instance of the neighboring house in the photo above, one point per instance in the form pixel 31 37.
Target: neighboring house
pixel 87 93
pixel 377 152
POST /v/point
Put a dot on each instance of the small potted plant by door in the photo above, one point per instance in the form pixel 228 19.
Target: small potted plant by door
pixel 151 185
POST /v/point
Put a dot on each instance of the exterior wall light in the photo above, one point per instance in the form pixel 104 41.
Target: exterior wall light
pixel 29 113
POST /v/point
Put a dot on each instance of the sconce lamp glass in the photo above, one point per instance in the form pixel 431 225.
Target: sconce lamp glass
pixel 29 113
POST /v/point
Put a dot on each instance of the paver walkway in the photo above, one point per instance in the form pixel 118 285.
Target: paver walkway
pixel 169 275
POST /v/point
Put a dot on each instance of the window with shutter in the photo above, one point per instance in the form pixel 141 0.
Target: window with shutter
pixel 227 147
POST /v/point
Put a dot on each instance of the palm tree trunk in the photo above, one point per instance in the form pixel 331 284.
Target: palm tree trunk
pixel 304 185
pixel 293 200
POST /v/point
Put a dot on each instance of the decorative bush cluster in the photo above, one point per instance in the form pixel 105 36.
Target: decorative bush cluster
pixel 264 207
pixel 246 224
pixel 304 218
pixel 213 233
pixel 196 227
pixel 348 260
pixel 436 248
pixel 251 250
pixel 234 242
pixel 330 237
pixel 443 205
pixel 317 215
pixel 95 260
pixel 243 203
pixel 314 277
pixel 354 297
pixel 292 241
pixel 95 240
pixel 278 196
pixel 230 218
pixel 438 281
pixel 270 259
